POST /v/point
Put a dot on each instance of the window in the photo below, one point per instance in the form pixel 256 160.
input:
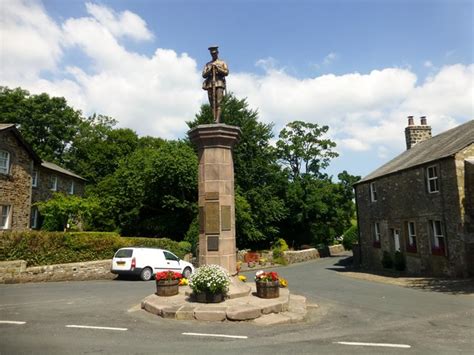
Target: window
pixel 34 218
pixel 170 256
pixel 5 216
pixel 373 192
pixel 4 162
pixel 34 178
pixel 377 235
pixel 71 188
pixel 54 183
pixel 438 245
pixel 411 245
pixel 432 179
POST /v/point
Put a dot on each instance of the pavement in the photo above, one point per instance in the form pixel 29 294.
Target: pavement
pixel 241 304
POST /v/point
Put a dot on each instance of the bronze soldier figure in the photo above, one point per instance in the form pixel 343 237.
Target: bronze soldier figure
pixel 215 72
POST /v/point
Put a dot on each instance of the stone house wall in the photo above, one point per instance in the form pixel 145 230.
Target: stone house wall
pixel 15 187
pixel 403 197
pixel 43 192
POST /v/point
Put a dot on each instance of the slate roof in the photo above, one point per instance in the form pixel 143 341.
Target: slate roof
pixel 36 158
pixel 443 145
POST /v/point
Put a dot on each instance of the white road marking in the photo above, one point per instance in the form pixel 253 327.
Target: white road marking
pixel 404 346
pixel 217 335
pixel 11 322
pixel 92 327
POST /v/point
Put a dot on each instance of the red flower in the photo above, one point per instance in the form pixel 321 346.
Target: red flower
pixel 266 276
pixel 168 276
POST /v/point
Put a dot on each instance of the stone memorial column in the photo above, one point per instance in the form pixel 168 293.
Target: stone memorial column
pixel 216 193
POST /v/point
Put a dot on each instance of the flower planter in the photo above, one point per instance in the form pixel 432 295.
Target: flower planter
pixel 167 288
pixel 204 297
pixel 268 289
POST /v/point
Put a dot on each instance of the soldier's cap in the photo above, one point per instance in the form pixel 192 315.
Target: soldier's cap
pixel 213 49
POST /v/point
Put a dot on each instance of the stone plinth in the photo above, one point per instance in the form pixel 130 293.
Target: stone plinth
pixel 216 194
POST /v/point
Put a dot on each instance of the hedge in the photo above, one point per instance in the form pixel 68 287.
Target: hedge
pixel 46 248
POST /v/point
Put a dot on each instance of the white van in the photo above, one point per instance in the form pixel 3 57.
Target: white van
pixel 145 262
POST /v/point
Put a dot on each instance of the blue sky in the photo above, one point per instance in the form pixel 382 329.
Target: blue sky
pixel 358 66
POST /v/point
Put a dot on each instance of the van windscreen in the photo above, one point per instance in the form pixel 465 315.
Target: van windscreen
pixel 124 253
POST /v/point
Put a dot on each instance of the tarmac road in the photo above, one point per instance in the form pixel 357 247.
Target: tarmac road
pixel 354 317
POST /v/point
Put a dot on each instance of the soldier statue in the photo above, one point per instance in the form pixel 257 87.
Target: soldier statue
pixel 215 72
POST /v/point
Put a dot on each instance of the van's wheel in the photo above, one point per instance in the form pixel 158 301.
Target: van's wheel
pixel 187 272
pixel 146 274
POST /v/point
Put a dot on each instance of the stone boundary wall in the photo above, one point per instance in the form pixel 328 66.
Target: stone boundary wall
pixel 336 249
pixel 17 272
pixel 299 256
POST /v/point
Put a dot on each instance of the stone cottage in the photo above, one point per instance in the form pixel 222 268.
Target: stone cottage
pixel 422 203
pixel 26 179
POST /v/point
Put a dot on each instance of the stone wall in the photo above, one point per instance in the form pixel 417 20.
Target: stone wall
pixel 17 272
pixel 336 249
pixel 403 198
pixel 43 192
pixel 15 188
pixel 299 256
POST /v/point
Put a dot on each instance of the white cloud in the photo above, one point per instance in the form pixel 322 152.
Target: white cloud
pixel 428 64
pixel 126 23
pixel 331 57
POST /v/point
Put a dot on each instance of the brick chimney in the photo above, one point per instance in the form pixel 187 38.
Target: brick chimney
pixel 416 134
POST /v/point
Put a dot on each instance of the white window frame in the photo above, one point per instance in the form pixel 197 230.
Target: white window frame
pixel 5 162
pixel 437 233
pixel 373 192
pixel 411 234
pixel 377 233
pixel 34 178
pixel 34 218
pixel 5 216
pixel 71 188
pixel 54 183
pixel 432 177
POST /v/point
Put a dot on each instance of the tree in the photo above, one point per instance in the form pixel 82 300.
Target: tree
pixel 302 148
pixel 47 123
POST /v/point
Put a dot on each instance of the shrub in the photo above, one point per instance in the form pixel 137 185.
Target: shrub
pixel 387 261
pixel 350 237
pixel 209 279
pixel 278 248
pixel 192 235
pixel 399 261
pixel 45 248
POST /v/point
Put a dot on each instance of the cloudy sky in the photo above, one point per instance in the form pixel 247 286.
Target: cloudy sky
pixel 358 66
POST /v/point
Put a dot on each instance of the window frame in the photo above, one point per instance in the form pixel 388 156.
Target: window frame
pixel 54 183
pixel 437 248
pixel 412 246
pixel 377 235
pixel 5 218
pixel 5 169
pixel 373 192
pixel 34 217
pixel 434 179
pixel 72 188
pixel 34 178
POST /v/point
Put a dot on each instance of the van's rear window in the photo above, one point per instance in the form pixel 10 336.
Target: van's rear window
pixel 124 253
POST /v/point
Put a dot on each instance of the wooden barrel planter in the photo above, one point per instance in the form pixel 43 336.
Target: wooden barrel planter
pixel 204 297
pixel 268 289
pixel 167 288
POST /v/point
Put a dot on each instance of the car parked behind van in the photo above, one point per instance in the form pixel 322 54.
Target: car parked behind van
pixel 146 262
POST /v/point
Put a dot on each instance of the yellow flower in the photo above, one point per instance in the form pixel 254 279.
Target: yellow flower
pixel 283 282
pixel 183 282
pixel 242 278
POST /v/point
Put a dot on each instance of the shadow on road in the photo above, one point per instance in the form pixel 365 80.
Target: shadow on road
pixel 435 284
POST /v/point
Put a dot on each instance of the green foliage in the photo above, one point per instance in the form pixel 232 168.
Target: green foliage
pixel 278 249
pixel 47 123
pixel 192 235
pixel 45 248
pixel 350 237
pixel 185 246
pixel 68 210
pixel 399 262
pixel 302 148
pixel 387 261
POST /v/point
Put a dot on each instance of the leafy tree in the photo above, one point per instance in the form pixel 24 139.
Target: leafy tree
pixel 47 123
pixel 302 148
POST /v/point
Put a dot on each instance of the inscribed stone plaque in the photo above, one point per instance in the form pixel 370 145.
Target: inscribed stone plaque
pixel 212 196
pixel 212 218
pixel 201 219
pixel 225 218
pixel 212 243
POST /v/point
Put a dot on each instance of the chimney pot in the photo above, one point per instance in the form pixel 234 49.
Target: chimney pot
pixel 423 120
pixel 411 122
